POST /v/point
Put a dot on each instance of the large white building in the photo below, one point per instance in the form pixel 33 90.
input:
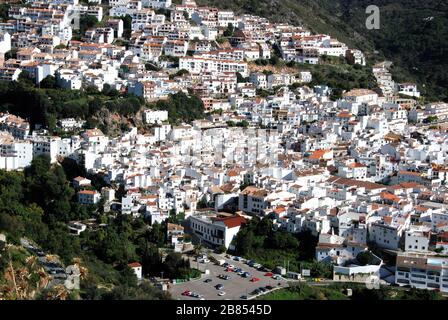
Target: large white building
pixel 253 200
pixel 198 65
pixel 14 154
pixel 88 197
pixel 214 230
pixel 422 271
pixel 155 116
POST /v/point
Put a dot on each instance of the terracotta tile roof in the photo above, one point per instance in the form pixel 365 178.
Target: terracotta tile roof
pixel 233 221
pixel 134 265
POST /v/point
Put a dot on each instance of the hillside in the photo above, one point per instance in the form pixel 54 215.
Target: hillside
pixel 413 33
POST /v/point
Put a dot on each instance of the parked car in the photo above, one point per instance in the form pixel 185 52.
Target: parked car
pixel 221 293
pixel 269 287
pixel 254 279
pixel 269 274
pixel 219 286
pixel 244 297
pixel 186 293
pixel 246 274
pixel 225 264
pixel 208 280
pixel 256 291
pixel 263 289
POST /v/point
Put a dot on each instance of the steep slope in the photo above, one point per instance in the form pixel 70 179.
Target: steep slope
pixel 413 33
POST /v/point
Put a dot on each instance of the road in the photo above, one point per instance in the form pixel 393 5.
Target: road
pixel 234 288
pixel 51 266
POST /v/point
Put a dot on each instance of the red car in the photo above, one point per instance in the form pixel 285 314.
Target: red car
pixel 186 293
pixel 254 279
pixel 229 269
pixel 268 274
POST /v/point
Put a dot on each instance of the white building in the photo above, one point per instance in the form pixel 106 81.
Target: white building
pixel 422 271
pixel 137 268
pixel 217 231
pixel 155 116
pixel 408 89
pixel 198 65
pixel 416 240
pixel 88 197
pixel 14 154
pixel 253 200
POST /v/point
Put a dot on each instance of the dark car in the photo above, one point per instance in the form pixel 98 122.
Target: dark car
pixel 256 291
pixel 219 286
pixel 269 287
pixel 263 289
pixel 207 280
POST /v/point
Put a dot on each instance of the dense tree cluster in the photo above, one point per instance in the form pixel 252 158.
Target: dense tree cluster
pixel 39 202
pixel 181 107
pixel 258 241
pixel 47 104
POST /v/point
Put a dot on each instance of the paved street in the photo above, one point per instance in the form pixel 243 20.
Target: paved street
pixel 234 288
pixel 52 266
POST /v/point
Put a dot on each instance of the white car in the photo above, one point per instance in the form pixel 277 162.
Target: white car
pixel 221 293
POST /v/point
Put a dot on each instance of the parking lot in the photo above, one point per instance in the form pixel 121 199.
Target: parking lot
pixel 234 288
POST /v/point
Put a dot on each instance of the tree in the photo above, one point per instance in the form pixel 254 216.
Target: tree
pixel 156 234
pixel 26 78
pixel 221 249
pixel 151 260
pixel 127 26
pixel 365 258
pixel 176 267
pixel 11 54
pixel 49 82
pixel 202 204
pixel 4 7
pixel 431 119
pixel 240 78
pixel 87 22
pixel 229 31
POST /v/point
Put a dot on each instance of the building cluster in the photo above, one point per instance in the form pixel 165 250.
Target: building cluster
pixel 46 37
pixel 358 172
